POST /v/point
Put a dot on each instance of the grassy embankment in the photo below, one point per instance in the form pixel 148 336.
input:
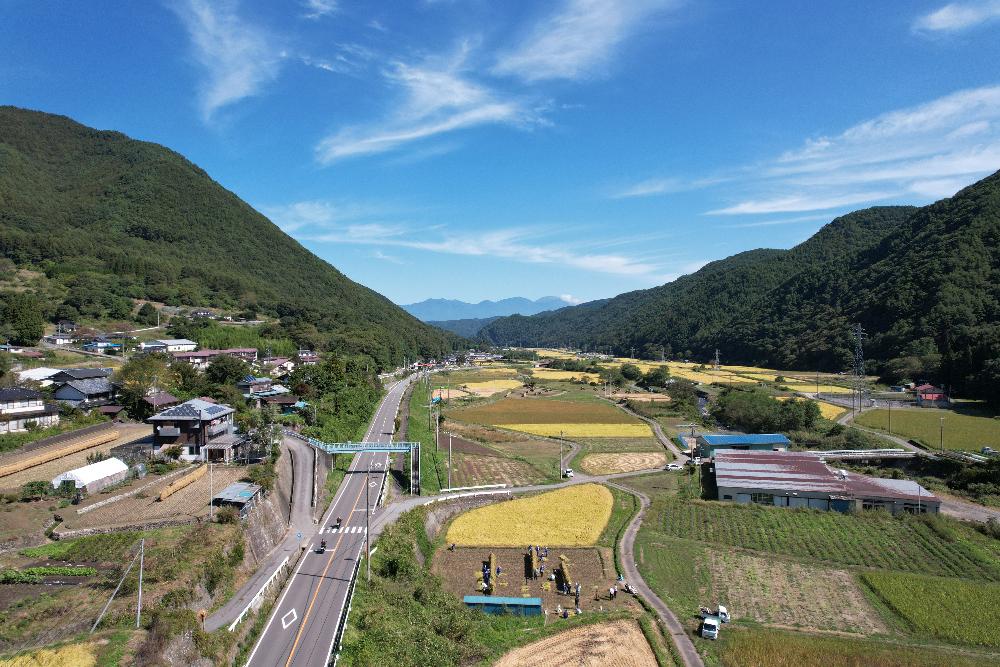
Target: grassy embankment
pixel 433 464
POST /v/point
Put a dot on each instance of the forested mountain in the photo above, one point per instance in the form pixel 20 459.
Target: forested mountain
pixel 439 310
pixel 924 283
pixel 107 219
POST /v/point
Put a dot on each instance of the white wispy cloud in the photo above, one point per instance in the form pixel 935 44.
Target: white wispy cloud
pixel 661 186
pixel 570 299
pixel 781 221
pixel 957 16
pixel 929 150
pixel 392 259
pixel 438 97
pixel 238 58
pixel 317 9
pixel 313 214
pixel 577 40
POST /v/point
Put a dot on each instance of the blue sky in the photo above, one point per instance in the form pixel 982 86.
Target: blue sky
pixel 473 149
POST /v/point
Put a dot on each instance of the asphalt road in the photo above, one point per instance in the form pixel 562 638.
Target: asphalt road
pixel 304 623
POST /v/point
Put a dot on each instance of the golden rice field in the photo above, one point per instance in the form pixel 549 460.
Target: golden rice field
pixel 75 655
pixel 574 430
pixel 574 516
pixel 826 410
pixel 491 387
pixel 829 389
pixel 553 374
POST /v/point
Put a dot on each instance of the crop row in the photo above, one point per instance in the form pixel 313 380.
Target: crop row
pixel 868 540
pixel 949 609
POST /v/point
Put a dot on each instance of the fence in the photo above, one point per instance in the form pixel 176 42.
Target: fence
pixel 256 599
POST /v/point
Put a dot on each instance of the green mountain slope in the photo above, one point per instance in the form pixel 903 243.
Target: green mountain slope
pixel 925 284
pixel 108 219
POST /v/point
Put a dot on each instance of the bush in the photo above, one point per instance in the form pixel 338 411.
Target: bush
pixel 227 515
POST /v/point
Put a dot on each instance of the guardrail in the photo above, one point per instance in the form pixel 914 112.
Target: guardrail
pixel 255 600
pixel 474 488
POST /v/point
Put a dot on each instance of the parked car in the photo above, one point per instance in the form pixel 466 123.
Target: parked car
pixel 568 472
pixel 989 451
pixel 674 466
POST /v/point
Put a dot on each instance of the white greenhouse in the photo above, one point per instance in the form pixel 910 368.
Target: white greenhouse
pixel 94 477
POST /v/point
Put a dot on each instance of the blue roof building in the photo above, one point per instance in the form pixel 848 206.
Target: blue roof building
pixel 757 442
pixel 491 604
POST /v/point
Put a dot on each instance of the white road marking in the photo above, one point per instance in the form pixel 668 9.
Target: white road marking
pixel 285 621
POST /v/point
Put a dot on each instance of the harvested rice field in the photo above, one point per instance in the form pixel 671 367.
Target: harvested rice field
pixel 475 470
pixel 491 387
pixel 616 644
pixel 544 411
pixel 607 464
pixel 553 374
pixel 826 410
pixel 567 430
pixel 189 502
pixel 573 516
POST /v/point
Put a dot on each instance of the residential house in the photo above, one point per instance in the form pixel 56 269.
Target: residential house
pixel 43 375
pixel 21 407
pixel 11 349
pixel 253 385
pixel 202 358
pixel 59 339
pixel 308 358
pixel 152 346
pixel 67 374
pixel 278 366
pixel 66 326
pixel 202 313
pixel 192 426
pixel 178 344
pixel 160 400
pixel 87 394
pixel 285 404
pixel 930 396
pixel 101 344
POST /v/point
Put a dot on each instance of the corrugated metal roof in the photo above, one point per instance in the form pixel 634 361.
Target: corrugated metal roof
pixel 747 439
pixel 805 472
pixel 239 492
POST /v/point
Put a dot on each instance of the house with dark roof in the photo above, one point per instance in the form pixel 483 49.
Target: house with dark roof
pixel 192 426
pixel 68 374
pixel 708 444
pixel 21 407
pixel 88 393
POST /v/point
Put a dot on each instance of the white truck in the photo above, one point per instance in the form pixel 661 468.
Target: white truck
pixel 711 621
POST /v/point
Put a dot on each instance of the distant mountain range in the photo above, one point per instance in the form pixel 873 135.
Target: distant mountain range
pixel 439 310
pixel 101 219
pixel 923 282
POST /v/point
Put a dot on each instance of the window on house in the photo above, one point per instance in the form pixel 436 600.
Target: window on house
pixel 762 498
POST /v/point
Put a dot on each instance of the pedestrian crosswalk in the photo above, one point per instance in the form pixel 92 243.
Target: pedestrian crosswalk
pixel 351 530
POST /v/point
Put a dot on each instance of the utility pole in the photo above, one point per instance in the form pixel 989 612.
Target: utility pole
pixel 437 430
pixel 889 402
pixel 142 554
pixel 449 460
pixel 942 436
pixel 211 493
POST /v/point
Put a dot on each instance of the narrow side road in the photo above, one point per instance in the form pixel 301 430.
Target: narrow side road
pixel 626 548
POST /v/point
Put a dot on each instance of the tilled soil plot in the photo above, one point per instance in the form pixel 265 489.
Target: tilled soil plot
pixel 473 470
pixel 615 644
pixel 592 567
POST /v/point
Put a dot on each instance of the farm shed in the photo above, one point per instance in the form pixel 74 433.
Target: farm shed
pixel 757 442
pixel 501 605
pixel 241 495
pixel 802 479
pixel 95 476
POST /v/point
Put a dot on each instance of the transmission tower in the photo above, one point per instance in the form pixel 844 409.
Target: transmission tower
pixel 860 386
pixel 716 364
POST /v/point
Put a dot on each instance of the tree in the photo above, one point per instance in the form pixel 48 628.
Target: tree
pixel 142 374
pixel 4 364
pixel 631 372
pixel 225 369
pixel 22 316
pixel 656 377
pixel 147 314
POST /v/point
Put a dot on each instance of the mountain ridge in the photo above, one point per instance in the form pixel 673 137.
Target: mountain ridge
pixel 924 282
pixel 439 310
pixel 108 219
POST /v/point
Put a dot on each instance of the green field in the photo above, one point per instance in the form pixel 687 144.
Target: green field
pixel 961 431
pixel 759 647
pixel 946 608
pixel 928 545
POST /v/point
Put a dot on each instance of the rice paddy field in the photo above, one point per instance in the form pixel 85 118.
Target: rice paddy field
pixel 554 374
pixel 933 545
pixel 944 608
pixel 572 516
pixel 543 411
pixel 615 644
pixel 961 431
